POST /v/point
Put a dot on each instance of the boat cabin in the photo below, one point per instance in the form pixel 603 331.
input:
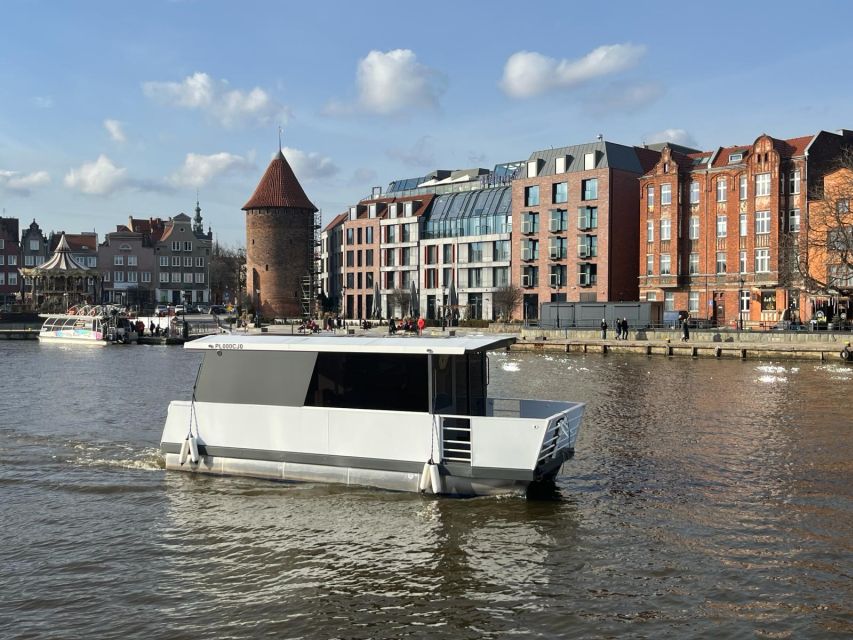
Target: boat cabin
pixel 376 374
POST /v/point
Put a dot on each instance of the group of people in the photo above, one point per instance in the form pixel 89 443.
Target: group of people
pixel 407 325
pixel 621 329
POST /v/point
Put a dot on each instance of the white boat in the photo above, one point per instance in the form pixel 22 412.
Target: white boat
pixel 401 413
pixel 92 325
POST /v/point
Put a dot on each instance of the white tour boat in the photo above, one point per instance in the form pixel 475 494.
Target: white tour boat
pixel 396 413
pixel 92 325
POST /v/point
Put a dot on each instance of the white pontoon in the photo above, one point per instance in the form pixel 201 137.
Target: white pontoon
pixel 396 413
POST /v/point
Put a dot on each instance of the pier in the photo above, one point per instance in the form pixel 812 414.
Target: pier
pixel 19 334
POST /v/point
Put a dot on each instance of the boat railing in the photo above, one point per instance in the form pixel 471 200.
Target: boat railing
pixel 524 408
pixel 560 433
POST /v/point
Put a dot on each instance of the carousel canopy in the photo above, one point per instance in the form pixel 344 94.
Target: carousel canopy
pixel 61 263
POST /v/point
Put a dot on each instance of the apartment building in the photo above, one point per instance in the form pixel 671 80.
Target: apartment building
pixel 331 263
pixel 575 223
pixel 10 258
pixel 720 230
pixel 360 259
pixel 128 268
pixel 465 253
pixel 183 262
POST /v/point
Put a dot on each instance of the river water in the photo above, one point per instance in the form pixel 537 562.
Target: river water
pixel 707 498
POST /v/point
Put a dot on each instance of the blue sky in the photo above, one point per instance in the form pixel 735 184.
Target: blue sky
pixel 112 109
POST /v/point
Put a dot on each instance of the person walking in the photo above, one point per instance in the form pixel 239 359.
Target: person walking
pixel 421 325
pixel 603 329
pixel 624 328
pixel 685 330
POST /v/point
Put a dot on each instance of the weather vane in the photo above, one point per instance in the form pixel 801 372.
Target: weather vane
pixel 279 137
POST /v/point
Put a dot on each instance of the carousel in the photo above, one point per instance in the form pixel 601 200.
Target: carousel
pixel 63 289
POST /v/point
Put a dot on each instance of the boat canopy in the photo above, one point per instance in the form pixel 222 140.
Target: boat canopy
pixel 354 344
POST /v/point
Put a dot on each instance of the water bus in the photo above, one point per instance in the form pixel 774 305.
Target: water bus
pixel 88 324
pixel 400 413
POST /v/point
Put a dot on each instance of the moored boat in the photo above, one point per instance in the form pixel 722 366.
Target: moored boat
pixel 409 414
pixel 92 325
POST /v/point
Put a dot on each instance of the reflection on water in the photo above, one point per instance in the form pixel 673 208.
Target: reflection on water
pixel 707 499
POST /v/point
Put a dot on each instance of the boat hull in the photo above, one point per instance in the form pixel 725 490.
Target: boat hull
pixel 387 479
pixel 84 340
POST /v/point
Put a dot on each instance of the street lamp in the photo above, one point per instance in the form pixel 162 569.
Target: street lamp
pixel 443 308
pixel 344 302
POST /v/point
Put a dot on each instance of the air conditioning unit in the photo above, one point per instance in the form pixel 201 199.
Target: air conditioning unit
pixel 583 279
pixel 526 254
pixel 525 281
pixel 583 251
pixel 526 226
pixel 555 280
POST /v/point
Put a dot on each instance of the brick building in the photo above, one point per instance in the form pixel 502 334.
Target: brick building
pixel 575 224
pixel 10 259
pixel 280 244
pixel 720 230
pixel 331 263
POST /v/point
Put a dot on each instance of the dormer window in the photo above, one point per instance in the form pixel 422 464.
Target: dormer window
pixel 392 210
pixel 407 208
pixel 735 157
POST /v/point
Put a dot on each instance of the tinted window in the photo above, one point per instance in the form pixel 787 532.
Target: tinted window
pixel 391 382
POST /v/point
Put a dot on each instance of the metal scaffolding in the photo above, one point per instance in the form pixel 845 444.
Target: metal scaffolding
pixel 310 281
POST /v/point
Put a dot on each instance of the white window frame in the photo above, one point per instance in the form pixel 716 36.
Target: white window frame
pixel 722 189
pixel 188 261
pixel 188 245
pixel 199 277
pixel 132 261
pixel 665 229
pixel 666 194
pixel 743 225
pixel 176 245
pixel 164 261
pixel 694 192
pixel 665 264
pixel 176 276
pixel 650 264
pixel 12 260
pixel 133 276
pixel 199 261
pixel 118 276
pixel 188 278
pixel 118 261
pixel 693 231
pixel 721 261
pixel 742 262
pixel 693 264
pixel 12 280
pixel 35 245
pixel 762 261
pixel 794 182
pixel 650 230
pixel 146 276
pixel 762 223
pixel 743 186
pixel 693 302
pixel 650 195
pixel 164 276
pixel 794 220
pixel 722 226
pixel 762 185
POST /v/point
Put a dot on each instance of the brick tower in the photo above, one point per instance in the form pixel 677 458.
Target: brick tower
pixel 279 242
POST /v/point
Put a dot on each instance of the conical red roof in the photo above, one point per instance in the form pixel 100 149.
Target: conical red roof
pixel 279 188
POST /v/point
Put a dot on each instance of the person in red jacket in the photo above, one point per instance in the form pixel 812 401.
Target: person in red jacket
pixel 421 325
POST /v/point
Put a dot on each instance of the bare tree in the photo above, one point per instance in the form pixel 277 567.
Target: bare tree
pixel 399 297
pixel 824 250
pixel 227 272
pixel 506 298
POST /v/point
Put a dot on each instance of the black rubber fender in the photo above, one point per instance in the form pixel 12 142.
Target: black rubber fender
pixel 845 354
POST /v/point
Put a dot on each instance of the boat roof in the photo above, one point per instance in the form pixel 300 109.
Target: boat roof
pixel 457 345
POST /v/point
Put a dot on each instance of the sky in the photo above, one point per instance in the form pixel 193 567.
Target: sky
pixel 113 109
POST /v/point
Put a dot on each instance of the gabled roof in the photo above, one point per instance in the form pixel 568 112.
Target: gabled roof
pixel 792 147
pixel 279 188
pixel 338 219
pixel 87 241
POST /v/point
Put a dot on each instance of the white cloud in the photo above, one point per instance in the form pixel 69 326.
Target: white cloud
pixel 231 107
pixel 677 136
pixel 310 165
pixel 198 169
pixel 528 73
pixel 98 178
pixel 393 82
pixel 115 130
pixel 421 154
pixel 364 176
pixel 23 183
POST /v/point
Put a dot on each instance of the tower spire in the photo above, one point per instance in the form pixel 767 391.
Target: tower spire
pixel 198 227
pixel 279 138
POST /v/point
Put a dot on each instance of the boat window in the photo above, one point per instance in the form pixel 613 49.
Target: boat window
pixel 390 382
pixel 460 384
pixel 255 377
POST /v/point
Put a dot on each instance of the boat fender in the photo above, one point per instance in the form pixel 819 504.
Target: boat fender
pixel 424 484
pixel 434 479
pixel 185 449
pixel 193 449
pixel 845 354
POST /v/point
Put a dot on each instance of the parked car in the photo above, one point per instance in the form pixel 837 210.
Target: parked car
pixel 161 310
pixel 218 310
pixel 179 309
